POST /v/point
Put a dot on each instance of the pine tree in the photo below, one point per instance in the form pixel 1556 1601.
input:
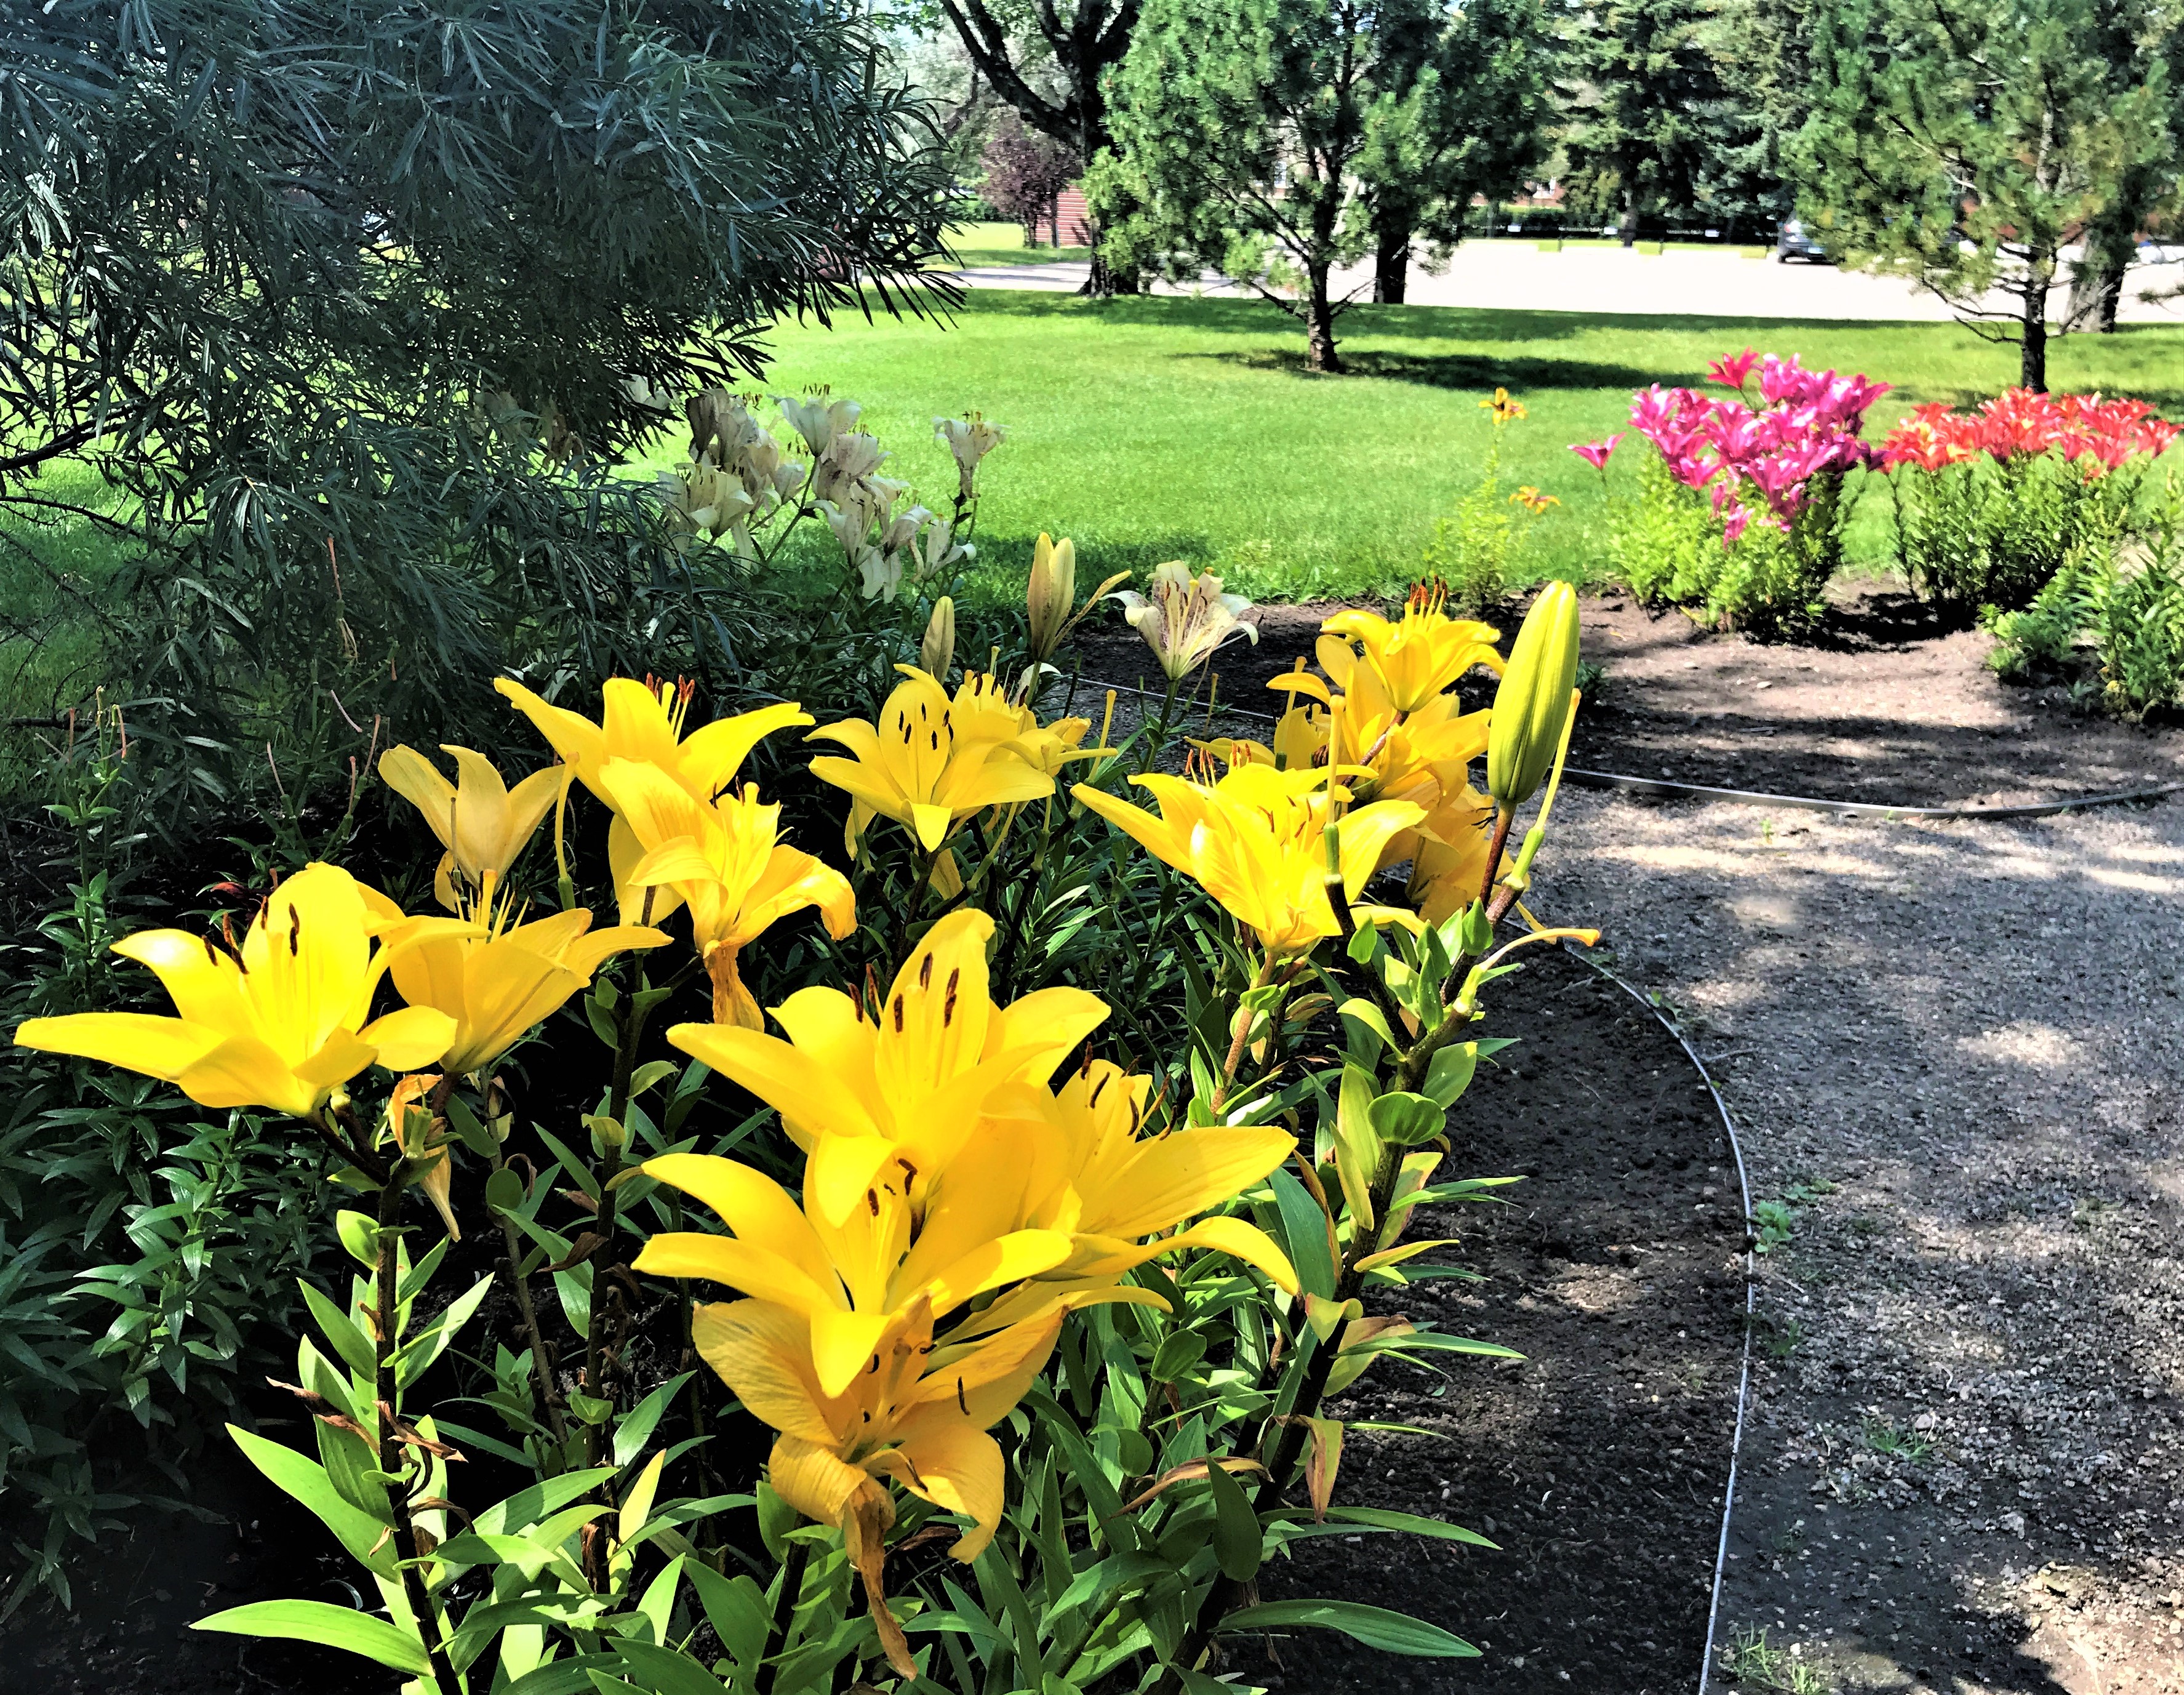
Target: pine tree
pixel 1464 98
pixel 1646 90
pixel 1240 125
pixel 1963 143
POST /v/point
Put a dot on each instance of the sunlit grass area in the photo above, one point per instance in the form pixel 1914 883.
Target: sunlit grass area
pixel 976 245
pixel 1175 428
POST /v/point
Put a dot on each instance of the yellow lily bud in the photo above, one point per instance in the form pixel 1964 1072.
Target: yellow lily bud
pixel 1533 702
pixel 1051 595
pixel 937 652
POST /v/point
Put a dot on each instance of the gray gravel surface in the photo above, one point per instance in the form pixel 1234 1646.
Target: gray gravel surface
pixel 1953 1052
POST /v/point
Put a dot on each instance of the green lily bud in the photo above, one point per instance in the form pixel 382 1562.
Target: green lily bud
pixel 1533 702
pixel 937 652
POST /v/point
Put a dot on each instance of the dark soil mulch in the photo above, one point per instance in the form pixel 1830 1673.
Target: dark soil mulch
pixel 1597 1463
pixel 1880 703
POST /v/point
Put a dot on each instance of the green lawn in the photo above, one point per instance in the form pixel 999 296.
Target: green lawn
pixel 1175 428
pixel 990 244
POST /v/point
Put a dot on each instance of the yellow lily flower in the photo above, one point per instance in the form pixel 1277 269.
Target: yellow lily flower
pixel 1050 595
pixel 1185 618
pixel 850 1278
pixel 922 769
pixel 480 821
pixel 1448 861
pixel 1415 658
pixel 915 1418
pixel 1085 1171
pixel 281 1024
pixel 723 859
pixel 901 1091
pixel 496 980
pixel 642 721
pixel 1256 842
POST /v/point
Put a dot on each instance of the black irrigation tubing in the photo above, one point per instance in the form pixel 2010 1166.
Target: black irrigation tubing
pixel 1666 789
pixel 1744 1374
pixel 1856 809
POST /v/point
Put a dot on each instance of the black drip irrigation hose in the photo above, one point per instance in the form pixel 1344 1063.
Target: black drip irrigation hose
pixel 1856 809
pixel 1744 1372
pixel 1663 788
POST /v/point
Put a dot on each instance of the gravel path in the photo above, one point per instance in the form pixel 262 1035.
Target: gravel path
pixel 1954 1051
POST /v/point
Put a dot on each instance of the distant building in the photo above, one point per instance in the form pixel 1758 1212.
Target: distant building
pixel 1066 223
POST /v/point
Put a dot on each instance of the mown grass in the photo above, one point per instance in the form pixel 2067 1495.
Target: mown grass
pixel 976 245
pixel 1164 428
pixel 1177 428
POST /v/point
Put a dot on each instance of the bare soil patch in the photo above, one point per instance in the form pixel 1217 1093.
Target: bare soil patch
pixel 1598 1463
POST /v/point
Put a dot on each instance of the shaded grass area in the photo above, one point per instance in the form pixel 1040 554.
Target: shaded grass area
pixel 1175 428
pixel 55 565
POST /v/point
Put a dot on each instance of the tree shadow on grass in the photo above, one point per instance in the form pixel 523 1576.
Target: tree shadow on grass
pixel 1464 371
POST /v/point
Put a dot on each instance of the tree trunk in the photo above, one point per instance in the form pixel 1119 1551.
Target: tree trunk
pixel 1627 228
pixel 2104 316
pixel 1319 354
pixel 2032 366
pixel 1392 263
pixel 1107 281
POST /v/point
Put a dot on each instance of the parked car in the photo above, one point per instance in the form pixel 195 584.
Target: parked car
pixel 1791 241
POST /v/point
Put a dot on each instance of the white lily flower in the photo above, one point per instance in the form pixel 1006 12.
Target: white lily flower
pixel 941 550
pixel 903 530
pixel 1185 618
pixel 848 459
pixel 882 573
pixel 819 421
pixel 970 438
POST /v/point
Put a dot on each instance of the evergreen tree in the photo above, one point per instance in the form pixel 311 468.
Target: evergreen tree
pixel 1963 143
pixel 2141 43
pixel 1240 126
pixel 1646 94
pixel 1463 96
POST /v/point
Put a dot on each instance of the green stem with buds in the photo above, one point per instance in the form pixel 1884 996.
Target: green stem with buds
pixel 386 1390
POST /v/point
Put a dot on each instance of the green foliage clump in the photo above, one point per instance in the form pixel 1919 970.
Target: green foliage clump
pixel 2116 602
pixel 143 1246
pixel 1668 546
pixel 1989 532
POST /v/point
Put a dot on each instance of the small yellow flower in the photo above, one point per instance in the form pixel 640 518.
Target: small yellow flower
pixel 1532 500
pixel 496 977
pixel 724 861
pixel 931 761
pixel 1256 842
pixel 1415 657
pixel 643 721
pixel 1503 409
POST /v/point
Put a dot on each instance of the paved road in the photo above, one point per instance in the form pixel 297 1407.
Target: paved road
pixel 1516 275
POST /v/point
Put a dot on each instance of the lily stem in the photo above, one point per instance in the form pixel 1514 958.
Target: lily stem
pixel 1245 1018
pixel 542 1362
pixel 1281 1467
pixel 784 1613
pixel 386 1390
